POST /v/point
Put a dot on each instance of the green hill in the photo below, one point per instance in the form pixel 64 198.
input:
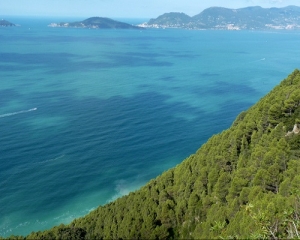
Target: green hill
pixel 243 183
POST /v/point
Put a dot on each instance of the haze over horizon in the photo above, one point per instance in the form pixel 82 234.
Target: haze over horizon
pixel 124 9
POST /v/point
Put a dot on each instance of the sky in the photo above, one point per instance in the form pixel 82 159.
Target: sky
pixel 124 8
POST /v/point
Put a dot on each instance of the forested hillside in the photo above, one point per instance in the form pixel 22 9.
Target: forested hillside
pixel 243 183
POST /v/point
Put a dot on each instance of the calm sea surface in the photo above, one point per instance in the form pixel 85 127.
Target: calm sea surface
pixel 88 115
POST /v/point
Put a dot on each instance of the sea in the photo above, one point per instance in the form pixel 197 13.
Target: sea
pixel 89 115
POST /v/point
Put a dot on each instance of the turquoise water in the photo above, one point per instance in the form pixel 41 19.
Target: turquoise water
pixel 88 115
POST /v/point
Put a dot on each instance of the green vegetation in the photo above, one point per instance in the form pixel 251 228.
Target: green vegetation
pixel 243 183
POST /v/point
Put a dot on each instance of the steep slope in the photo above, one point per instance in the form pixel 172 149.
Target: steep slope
pixel 243 183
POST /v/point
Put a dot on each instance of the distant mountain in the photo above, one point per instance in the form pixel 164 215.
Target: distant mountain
pixel 96 22
pixel 251 18
pixel 172 19
pixel 4 23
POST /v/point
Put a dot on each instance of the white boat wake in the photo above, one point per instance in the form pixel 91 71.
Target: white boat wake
pixel 15 113
pixel 259 60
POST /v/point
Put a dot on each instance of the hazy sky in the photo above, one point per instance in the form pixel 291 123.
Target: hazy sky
pixel 124 8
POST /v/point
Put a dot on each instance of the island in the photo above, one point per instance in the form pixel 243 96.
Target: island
pixel 219 18
pixel 96 22
pixel 4 23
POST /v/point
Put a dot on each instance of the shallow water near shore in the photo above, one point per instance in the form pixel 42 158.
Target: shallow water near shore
pixel 89 115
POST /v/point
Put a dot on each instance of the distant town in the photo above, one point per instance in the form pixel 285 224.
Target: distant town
pixel 218 18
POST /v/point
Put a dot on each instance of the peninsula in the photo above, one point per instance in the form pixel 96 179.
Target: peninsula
pixel 96 22
pixel 219 18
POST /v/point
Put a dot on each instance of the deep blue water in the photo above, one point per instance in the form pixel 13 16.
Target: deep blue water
pixel 88 115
